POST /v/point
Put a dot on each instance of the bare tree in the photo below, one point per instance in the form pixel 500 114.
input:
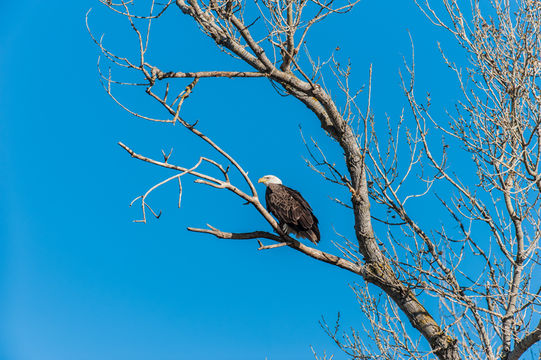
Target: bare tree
pixel 480 265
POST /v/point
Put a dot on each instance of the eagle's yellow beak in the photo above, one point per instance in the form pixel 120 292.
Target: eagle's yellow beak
pixel 262 180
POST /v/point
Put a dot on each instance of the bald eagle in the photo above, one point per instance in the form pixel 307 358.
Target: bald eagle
pixel 290 209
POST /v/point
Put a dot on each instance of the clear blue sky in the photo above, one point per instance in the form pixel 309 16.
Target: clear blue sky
pixel 80 280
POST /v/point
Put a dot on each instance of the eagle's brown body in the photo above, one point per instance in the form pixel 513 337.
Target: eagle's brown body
pixel 292 212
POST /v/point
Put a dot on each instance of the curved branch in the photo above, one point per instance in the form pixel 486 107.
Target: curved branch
pixel 292 243
pixel 523 345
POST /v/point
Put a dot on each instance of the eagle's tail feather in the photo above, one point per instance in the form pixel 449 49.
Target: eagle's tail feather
pixel 311 235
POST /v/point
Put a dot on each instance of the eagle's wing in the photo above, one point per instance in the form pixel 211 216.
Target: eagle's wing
pixel 290 207
pixel 306 217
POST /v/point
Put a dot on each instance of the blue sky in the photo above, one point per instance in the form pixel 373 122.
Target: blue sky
pixel 80 280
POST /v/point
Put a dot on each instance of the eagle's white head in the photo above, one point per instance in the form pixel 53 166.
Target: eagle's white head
pixel 269 179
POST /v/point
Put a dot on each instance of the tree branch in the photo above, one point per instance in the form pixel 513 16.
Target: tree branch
pixel 160 75
pixel 292 243
pixel 523 345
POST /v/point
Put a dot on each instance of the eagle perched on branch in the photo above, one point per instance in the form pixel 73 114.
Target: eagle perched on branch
pixel 290 209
